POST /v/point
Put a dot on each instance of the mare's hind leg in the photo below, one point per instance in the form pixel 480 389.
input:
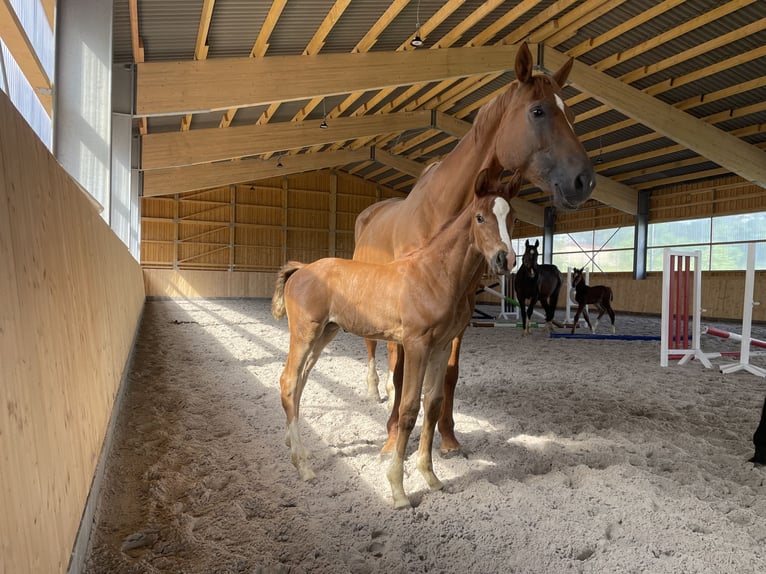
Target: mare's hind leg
pixel 611 315
pixel 393 350
pixel 449 442
pixel 372 373
pixel 433 394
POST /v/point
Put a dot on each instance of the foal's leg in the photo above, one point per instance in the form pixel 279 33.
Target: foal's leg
pixel 291 384
pixel 372 373
pixel 392 425
pixel 414 370
pixel 303 360
pixel 449 442
pixel 433 393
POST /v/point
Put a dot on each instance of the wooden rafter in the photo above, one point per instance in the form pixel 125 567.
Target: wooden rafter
pixel 20 46
pixel 200 46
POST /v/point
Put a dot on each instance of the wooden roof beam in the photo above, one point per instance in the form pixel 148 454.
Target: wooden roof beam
pixel 715 144
pixel 212 175
pixel 174 149
pixel 167 88
pixel 20 46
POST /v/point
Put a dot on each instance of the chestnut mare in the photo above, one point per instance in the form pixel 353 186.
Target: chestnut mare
pixel 417 303
pixel 598 295
pixel 537 282
pixel 527 128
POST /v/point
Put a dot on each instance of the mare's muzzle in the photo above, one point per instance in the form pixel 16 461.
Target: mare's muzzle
pixel 501 263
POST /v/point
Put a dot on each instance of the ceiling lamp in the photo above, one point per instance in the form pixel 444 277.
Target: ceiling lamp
pixel 324 125
pixel 417 41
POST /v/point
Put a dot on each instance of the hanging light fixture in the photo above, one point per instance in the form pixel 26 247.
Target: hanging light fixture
pixel 324 125
pixel 417 41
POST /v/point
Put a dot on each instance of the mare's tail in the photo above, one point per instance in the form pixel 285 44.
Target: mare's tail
pixel 278 299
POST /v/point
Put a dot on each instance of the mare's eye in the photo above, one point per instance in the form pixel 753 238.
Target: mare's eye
pixel 538 112
pixel 479 218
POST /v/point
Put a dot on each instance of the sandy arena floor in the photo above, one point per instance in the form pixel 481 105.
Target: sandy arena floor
pixel 580 456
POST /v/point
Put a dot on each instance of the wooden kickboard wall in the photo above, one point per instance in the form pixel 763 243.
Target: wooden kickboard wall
pixel 71 297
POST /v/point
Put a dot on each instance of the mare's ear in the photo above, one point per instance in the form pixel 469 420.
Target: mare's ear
pixel 523 65
pixel 563 73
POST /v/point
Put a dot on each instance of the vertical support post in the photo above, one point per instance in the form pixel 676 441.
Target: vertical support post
pixel 549 225
pixel 640 237
pixel 333 215
pixel 176 228
pixel 284 219
pixel 232 224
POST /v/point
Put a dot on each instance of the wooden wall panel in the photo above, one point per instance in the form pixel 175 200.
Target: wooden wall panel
pixel 72 297
pixel 300 216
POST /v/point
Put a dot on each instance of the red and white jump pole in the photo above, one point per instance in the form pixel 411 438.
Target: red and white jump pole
pixel 733 336
pixel 747 320
pixel 681 297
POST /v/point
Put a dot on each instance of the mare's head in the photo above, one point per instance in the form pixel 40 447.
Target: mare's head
pixel 578 276
pixel 493 220
pixel 529 259
pixel 536 135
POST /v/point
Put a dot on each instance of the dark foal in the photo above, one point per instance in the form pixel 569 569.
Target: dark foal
pixel 598 295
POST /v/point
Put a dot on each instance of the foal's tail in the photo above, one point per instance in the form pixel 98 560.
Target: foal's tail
pixel 278 299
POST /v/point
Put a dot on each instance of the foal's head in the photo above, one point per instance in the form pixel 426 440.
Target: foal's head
pixel 529 259
pixel 536 135
pixel 578 276
pixel 493 221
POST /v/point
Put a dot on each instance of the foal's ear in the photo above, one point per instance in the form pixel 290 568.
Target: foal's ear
pixel 537 243
pixel 523 65
pixel 563 73
pixel 512 187
pixel 486 181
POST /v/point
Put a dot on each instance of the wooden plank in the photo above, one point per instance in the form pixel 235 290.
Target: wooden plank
pixel 715 144
pixel 210 175
pixel 218 84
pixel 174 149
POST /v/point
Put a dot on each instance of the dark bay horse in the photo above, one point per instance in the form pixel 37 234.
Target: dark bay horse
pixel 418 303
pixel 526 128
pixel 598 295
pixel 537 282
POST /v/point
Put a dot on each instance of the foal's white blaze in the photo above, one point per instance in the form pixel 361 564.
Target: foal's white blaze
pixel 560 104
pixel 501 208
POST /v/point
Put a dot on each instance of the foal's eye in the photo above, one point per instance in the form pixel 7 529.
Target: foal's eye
pixel 479 218
pixel 538 112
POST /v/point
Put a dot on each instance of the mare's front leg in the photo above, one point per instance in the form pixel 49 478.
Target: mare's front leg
pixel 449 442
pixel 414 371
pixel 433 394
pixel 393 419
pixel 372 373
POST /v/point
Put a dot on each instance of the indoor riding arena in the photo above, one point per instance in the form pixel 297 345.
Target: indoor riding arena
pixel 205 205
